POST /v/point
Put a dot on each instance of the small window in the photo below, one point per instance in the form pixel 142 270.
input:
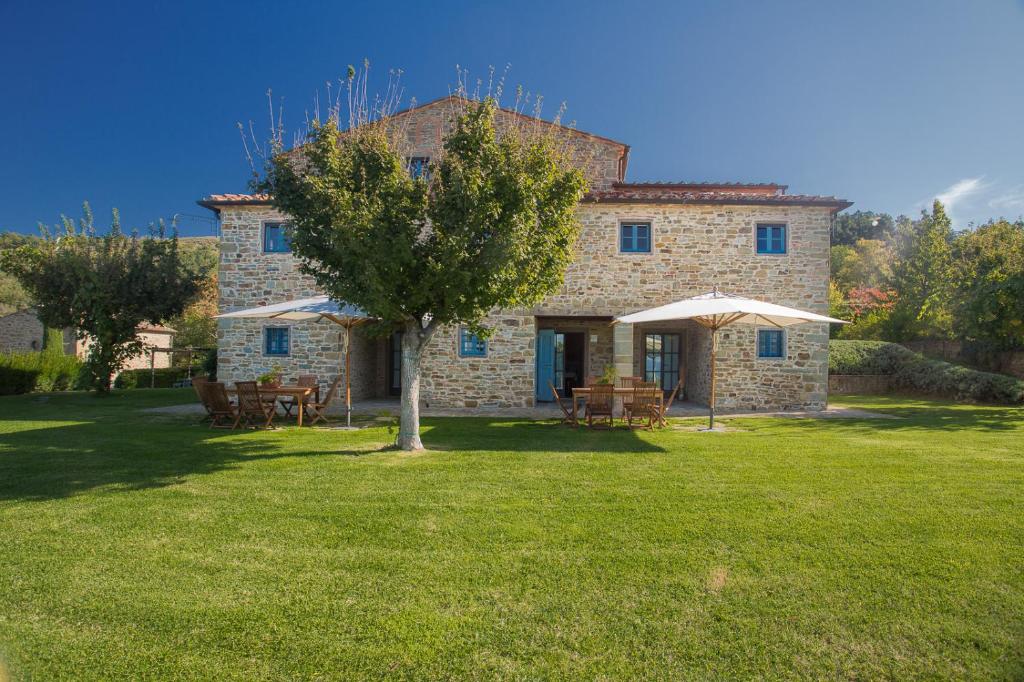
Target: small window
pixel 419 167
pixel 771 238
pixel 769 343
pixel 471 345
pixel 275 238
pixel 635 237
pixel 275 340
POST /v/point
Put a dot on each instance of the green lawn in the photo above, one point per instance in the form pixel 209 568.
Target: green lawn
pixel 134 546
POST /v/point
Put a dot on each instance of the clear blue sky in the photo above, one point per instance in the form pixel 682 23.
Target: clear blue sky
pixel 885 103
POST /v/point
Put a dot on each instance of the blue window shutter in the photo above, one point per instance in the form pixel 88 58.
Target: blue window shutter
pixel 771 238
pixel 545 364
pixel 470 345
pixel 769 343
pixel 627 237
pixel 643 238
pixel 275 238
pixel 275 340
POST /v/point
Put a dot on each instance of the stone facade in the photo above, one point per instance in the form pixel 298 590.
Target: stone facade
pixel 21 332
pixel 696 245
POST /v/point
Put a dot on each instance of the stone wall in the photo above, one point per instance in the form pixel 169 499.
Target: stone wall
pixel 602 160
pixel 694 248
pixel 21 332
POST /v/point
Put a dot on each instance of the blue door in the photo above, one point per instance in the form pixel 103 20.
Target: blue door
pixel 545 364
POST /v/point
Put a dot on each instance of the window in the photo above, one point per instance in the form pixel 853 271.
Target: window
pixel 419 167
pixel 275 340
pixel 769 343
pixel 471 345
pixel 771 238
pixel 635 237
pixel 661 360
pixel 275 238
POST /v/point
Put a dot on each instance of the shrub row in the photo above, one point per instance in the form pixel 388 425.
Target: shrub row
pixel 166 377
pixel 46 371
pixel 915 372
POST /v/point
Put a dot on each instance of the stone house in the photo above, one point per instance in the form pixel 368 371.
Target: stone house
pixel 22 331
pixel 642 244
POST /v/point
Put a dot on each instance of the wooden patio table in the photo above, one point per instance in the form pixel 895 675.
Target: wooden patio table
pixel 299 393
pixel 583 391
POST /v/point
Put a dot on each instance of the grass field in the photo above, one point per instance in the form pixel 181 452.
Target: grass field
pixel 140 546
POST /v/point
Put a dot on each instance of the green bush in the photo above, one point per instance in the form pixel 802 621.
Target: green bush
pixel 50 370
pixel 140 378
pixel 915 372
pixel 210 364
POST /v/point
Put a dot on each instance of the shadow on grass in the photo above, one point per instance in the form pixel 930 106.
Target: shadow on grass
pixel 511 435
pixel 56 453
pixel 61 447
pixel 924 416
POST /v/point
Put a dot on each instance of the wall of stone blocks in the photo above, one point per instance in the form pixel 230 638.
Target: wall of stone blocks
pixel 694 248
pixel 21 332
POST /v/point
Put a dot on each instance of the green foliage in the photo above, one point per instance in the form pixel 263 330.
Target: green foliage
pixel 492 224
pixel 165 377
pixel 849 228
pixel 103 286
pixel 500 210
pixel 210 364
pixel 868 263
pixel 990 284
pixel 915 372
pixel 922 277
pixel 46 371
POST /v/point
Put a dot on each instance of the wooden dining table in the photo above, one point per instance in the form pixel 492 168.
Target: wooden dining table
pixel 299 393
pixel 620 392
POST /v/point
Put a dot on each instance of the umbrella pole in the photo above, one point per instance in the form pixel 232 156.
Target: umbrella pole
pixel 714 352
pixel 348 375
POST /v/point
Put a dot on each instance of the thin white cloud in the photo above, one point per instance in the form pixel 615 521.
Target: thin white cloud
pixel 956 193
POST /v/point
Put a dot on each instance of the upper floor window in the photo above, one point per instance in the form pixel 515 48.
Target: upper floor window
pixel 275 238
pixel 770 343
pixel 635 237
pixel 471 345
pixel 276 340
pixel 771 238
pixel 419 167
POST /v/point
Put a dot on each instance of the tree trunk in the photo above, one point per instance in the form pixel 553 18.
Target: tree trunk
pixel 414 339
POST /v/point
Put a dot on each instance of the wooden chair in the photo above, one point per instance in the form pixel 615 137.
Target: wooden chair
pixel 668 403
pixel 569 417
pixel 197 386
pixel 601 404
pixel 627 400
pixel 317 408
pixel 223 414
pixel 288 402
pixel 644 404
pixel 252 408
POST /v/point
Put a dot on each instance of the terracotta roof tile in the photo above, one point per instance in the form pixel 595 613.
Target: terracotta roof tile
pixel 214 200
pixel 693 193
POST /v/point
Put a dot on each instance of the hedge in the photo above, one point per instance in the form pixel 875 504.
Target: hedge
pixel 46 371
pixel 166 377
pixel 915 372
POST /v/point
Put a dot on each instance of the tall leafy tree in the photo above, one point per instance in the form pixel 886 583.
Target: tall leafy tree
pixel 848 228
pixel 990 284
pixel 923 277
pixel 492 224
pixel 103 286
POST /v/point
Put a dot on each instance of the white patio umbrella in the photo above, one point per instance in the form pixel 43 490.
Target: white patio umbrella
pixel 715 310
pixel 316 309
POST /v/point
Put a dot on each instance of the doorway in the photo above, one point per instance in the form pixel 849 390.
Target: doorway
pixel 395 364
pixel 661 359
pixel 561 360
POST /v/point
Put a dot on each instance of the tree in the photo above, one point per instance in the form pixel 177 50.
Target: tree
pixel 196 326
pixel 492 224
pixel 850 227
pixel 868 263
pixel 103 286
pixel 990 292
pixel 923 278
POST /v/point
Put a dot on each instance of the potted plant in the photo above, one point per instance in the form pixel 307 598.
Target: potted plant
pixel 609 376
pixel 272 377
